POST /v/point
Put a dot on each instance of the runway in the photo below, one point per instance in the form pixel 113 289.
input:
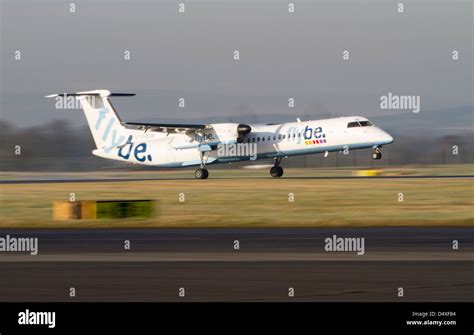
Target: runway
pixel 267 263
pixel 118 180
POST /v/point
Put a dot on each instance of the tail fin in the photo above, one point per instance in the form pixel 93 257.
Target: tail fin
pixel 103 120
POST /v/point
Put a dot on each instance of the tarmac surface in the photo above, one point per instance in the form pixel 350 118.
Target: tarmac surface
pixel 268 262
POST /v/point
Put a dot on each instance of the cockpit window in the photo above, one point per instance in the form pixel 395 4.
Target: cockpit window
pixel 359 124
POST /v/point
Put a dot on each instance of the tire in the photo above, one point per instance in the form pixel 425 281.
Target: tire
pixel 280 171
pixel 376 155
pixel 201 174
pixel 276 171
pixel 198 174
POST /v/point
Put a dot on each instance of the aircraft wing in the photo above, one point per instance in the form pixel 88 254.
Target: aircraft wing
pixel 166 127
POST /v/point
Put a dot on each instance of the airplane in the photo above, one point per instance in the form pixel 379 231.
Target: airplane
pixel 165 145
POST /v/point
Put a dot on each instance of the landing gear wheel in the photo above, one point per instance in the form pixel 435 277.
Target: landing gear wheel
pixel 276 171
pixel 376 155
pixel 201 174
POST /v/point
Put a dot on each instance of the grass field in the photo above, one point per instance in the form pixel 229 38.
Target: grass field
pixel 254 202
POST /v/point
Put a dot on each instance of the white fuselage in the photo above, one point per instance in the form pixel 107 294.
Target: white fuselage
pixel 279 140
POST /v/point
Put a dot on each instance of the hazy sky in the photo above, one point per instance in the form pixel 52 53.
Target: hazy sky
pixel 190 55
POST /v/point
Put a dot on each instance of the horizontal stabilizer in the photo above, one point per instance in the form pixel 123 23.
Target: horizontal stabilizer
pixel 97 93
pixel 102 118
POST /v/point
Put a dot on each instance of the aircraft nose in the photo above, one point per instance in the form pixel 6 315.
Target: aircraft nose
pixel 388 138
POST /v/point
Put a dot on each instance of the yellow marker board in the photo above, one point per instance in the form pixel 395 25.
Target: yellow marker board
pixel 103 209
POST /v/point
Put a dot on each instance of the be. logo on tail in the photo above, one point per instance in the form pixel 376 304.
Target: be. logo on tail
pixel 118 141
pixel 139 153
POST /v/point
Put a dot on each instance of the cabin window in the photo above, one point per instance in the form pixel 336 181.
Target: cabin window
pixel 269 138
pixel 253 140
pixel 353 124
pixel 279 136
pixel 365 123
pixel 258 139
pixel 274 137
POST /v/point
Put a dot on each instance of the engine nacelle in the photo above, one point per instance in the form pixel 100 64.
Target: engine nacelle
pixel 242 130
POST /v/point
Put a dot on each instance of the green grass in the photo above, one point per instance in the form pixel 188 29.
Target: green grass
pixel 223 201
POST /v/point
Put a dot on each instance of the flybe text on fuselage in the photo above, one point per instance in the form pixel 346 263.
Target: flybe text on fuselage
pixel 310 134
pixel 203 137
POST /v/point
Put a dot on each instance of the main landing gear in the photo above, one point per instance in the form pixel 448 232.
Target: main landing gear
pixel 202 172
pixel 277 171
pixel 376 154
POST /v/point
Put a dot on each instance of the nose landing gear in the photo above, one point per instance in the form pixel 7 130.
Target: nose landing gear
pixel 376 154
